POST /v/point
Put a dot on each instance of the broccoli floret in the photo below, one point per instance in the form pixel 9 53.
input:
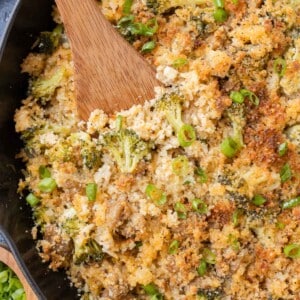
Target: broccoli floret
pixel 127 148
pixel 162 6
pixel 49 41
pixel 234 143
pixel 44 88
pixel 88 252
pixel 171 106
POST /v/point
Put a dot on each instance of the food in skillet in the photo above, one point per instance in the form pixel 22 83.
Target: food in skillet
pixel 195 194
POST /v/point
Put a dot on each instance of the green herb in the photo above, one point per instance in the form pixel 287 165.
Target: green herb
pixel 219 3
pixel 149 46
pixel 202 268
pixel 47 185
pixel 186 135
pixel 285 173
pixel 173 247
pixel 282 149
pixel 180 165
pixel 229 147
pixel 220 15
pixel 199 206
pixel 155 194
pixel 280 66
pixel 44 172
pixel 91 191
pixel 280 225
pixel 32 200
pixel 292 251
pixel 291 203
pixel 147 29
pixel 251 96
pixel 258 200
pixel 11 287
pixel 151 290
pixel 127 7
pixel 201 175
pixel 180 209
pixel 209 256
pixel 179 62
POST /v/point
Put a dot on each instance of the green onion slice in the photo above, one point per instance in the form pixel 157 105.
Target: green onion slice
pixel 44 172
pixel 91 191
pixel 149 46
pixel 201 269
pixel 291 203
pixel 251 96
pixel 180 209
pixel 280 66
pixel 292 251
pixel 282 149
pixel 47 185
pixel 32 200
pixel 219 3
pixel 258 200
pixel 199 206
pixel 155 194
pixel 147 29
pixel 151 289
pixel 229 147
pixel 180 165
pixel 285 173
pixel 179 62
pixel 220 15
pixel 209 256
pixel 237 97
pixel 173 247
pixel 186 135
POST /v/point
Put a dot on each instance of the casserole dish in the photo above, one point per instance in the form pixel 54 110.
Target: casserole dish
pixel 20 23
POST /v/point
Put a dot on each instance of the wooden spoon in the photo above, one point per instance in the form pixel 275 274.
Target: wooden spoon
pixel 109 73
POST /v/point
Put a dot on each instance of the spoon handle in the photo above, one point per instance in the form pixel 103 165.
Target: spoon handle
pixel 109 73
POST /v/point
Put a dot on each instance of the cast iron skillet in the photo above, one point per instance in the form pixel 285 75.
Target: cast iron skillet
pixel 20 23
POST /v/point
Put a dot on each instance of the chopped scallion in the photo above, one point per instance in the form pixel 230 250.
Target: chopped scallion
pixel 180 166
pixel 292 251
pixel 237 97
pixel 199 206
pixel 220 15
pixel 155 194
pixel 44 172
pixel 282 149
pixel 173 247
pixel 179 62
pixel 285 173
pixel 91 191
pixel 291 203
pixel 180 209
pixel 32 200
pixel 186 135
pixel 280 66
pixel 251 96
pixel 47 185
pixel 201 269
pixel 258 200
pixel 229 147
pixel 149 46
pixel 151 289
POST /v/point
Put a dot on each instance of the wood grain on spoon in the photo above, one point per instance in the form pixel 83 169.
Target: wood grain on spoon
pixel 109 73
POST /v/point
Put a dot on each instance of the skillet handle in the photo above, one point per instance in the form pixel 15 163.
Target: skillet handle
pixel 7 257
pixel 8 11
